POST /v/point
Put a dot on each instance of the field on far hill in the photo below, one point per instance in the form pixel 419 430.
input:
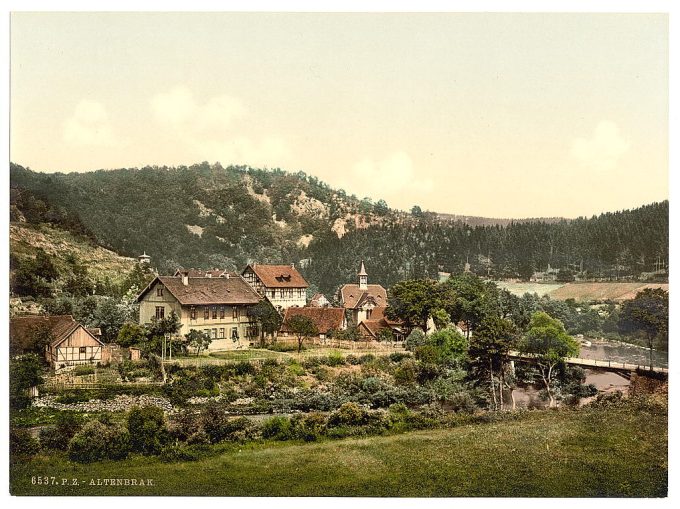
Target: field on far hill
pixel 620 450
pixel 602 291
pixel 584 292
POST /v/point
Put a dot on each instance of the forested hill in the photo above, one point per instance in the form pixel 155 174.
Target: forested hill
pixel 210 216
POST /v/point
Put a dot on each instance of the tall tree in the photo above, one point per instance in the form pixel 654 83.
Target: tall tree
pixel 549 344
pixel 267 317
pixel 415 300
pixel 489 347
pixel 303 327
pixel 646 313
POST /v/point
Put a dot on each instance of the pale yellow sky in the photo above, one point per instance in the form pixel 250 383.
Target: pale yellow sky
pixel 512 115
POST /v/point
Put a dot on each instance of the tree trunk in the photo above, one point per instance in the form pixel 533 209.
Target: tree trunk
pixel 493 386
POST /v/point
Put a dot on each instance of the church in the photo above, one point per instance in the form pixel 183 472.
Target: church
pixel 361 299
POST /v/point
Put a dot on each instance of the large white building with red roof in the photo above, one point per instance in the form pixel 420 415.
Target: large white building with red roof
pixel 282 285
pixel 217 306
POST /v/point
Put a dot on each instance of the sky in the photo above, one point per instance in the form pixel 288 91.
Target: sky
pixel 497 115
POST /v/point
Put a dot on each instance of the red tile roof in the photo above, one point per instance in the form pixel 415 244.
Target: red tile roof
pixel 206 291
pixel 22 329
pixel 278 276
pixel 351 295
pixel 325 319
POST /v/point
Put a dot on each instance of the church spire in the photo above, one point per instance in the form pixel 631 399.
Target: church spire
pixel 363 277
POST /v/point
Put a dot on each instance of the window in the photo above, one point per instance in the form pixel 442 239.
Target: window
pixel 193 312
pixel 235 313
pixel 159 291
pixel 214 313
pixel 83 350
pixel 368 313
pixel 206 313
pixel 206 332
pixel 160 312
pixel 221 336
pixel 213 335
pixel 234 333
pixel 222 313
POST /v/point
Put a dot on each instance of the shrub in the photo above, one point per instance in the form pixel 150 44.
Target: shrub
pixel 242 429
pixel 284 347
pixel 148 430
pixel 84 370
pixel 58 436
pixel 244 368
pixel 335 359
pixel 369 357
pixel 414 339
pixel 308 427
pixel 277 428
pixel 295 369
pixel 22 443
pixel 349 414
pixel 198 438
pixel 462 402
pixel 399 356
pixel 176 453
pixel 97 441
pixel 352 359
pixel 406 373
pixel 184 424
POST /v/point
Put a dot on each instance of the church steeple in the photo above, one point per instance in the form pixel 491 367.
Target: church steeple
pixel 363 277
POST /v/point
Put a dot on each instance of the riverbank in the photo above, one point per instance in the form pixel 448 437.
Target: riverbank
pixel 615 450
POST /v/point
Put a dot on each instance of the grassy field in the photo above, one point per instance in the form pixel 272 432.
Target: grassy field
pixel 614 452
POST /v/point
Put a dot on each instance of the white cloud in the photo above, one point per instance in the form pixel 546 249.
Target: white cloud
pixel 603 149
pixel 209 129
pixel 89 126
pixel 393 179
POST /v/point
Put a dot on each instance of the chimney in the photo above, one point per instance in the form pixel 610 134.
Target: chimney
pixel 185 278
pixel 227 276
pixel 292 265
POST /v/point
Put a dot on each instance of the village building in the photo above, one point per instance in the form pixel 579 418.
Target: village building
pixel 370 329
pixel 144 258
pixel 282 285
pixel 70 343
pixel 319 301
pixel 326 319
pixel 217 306
pixel 360 299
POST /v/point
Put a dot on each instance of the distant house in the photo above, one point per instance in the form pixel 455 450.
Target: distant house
pixel 369 329
pixel 549 275
pixel 217 306
pixel 326 319
pixel 361 299
pixel 70 343
pixel 144 258
pixel 282 285
pixel 319 301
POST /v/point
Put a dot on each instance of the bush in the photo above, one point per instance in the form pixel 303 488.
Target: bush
pixel 177 453
pixel 148 430
pixel 369 357
pixel 349 414
pixel 97 441
pixel 399 356
pixel 22 443
pixel 335 359
pixel 277 428
pixel 184 424
pixel 414 339
pixel 220 428
pixel 295 369
pixel 84 370
pixel 308 427
pixel 198 438
pixel 352 359
pixel 244 368
pixel 406 373
pixel 58 436
pixel 241 429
